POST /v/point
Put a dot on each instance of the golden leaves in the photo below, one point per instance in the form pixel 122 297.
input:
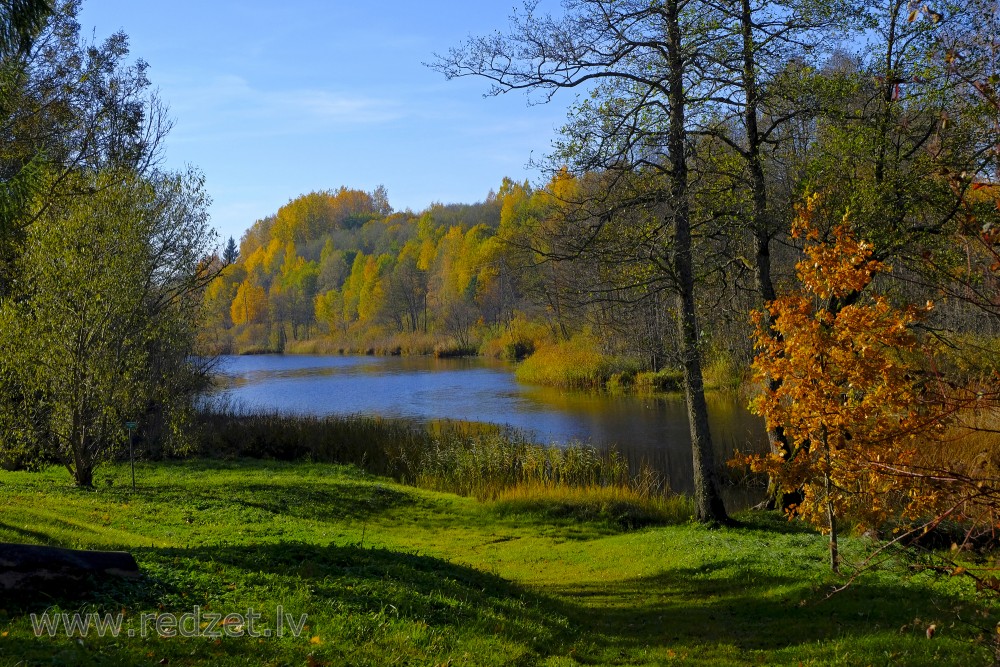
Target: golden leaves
pixel 834 371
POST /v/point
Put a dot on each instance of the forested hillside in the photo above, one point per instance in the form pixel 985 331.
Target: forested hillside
pixel 338 270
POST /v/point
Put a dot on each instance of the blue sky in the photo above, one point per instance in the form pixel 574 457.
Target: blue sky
pixel 273 99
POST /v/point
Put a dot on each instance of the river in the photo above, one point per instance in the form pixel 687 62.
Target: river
pixel 653 429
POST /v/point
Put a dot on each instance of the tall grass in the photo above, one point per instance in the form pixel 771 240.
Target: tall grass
pixel 971 442
pixel 408 344
pixel 625 506
pixel 575 364
pixel 489 462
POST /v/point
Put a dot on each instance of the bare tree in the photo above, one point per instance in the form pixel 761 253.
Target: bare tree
pixel 644 58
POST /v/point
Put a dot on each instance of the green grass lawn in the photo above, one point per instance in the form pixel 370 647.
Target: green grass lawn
pixel 393 575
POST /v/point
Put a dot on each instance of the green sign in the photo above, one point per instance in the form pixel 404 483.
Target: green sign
pixel 131 425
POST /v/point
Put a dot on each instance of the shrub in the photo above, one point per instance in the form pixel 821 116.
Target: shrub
pixel 666 379
pixel 517 341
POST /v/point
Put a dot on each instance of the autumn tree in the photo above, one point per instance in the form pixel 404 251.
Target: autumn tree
pixel 837 379
pixel 100 329
pixel 406 296
pixel 216 324
pixel 102 255
pixel 249 304
pixel 66 104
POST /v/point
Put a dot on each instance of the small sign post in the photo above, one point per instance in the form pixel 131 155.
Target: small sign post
pixel 131 426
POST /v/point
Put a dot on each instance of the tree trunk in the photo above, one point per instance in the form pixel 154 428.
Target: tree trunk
pixel 831 514
pixel 708 500
pixel 83 464
pixel 760 223
pixel 84 475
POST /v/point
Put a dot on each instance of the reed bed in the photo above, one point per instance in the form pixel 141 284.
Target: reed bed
pixel 575 364
pixel 406 344
pixel 971 441
pixel 625 505
pixel 489 462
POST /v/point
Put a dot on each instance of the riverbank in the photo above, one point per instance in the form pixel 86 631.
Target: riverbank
pixel 485 461
pixel 388 574
pixel 576 363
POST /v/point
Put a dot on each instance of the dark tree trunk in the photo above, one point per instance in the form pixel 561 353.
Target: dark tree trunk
pixel 708 500
pixel 760 223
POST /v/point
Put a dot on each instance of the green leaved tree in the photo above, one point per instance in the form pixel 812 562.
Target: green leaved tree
pixel 99 327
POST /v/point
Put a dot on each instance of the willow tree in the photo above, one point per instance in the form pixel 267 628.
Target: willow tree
pixel 644 57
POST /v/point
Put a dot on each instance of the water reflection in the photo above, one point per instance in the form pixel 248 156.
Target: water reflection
pixel 651 429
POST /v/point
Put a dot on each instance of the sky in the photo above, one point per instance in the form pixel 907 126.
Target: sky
pixel 273 99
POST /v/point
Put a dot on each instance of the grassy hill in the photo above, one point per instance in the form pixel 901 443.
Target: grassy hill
pixel 389 574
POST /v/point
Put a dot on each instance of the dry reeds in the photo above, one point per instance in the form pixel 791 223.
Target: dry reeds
pixel 489 462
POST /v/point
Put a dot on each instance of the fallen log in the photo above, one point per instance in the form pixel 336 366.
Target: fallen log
pixel 29 566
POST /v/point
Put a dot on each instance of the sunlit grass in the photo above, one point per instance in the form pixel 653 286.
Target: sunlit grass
pixel 392 574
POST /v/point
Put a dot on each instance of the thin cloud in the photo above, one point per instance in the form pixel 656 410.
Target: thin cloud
pixel 250 112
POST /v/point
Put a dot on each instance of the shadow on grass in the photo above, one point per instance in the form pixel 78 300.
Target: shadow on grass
pixel 319 502
pixel 772 522
pixel 362 580
pixel 360 591
pixel 723 603
pixel 359 599
pixel 31 536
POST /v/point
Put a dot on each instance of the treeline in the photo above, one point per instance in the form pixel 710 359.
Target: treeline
pixel 339 271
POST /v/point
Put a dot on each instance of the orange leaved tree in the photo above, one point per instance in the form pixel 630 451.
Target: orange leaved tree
pixel 837 378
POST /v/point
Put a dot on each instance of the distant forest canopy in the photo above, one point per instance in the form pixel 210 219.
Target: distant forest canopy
pixel 339 266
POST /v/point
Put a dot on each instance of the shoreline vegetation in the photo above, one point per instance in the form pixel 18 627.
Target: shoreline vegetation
pixel 576 364
pixel 485 461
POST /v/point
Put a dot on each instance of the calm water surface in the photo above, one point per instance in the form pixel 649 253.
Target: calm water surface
pixel 652 429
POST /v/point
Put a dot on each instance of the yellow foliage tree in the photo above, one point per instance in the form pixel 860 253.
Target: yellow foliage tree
pixel 250 304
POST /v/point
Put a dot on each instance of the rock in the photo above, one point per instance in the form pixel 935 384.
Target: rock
pixel 29 566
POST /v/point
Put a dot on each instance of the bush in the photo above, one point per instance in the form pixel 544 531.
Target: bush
pixel 517 341
pixel 666 379
pixel 722 372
